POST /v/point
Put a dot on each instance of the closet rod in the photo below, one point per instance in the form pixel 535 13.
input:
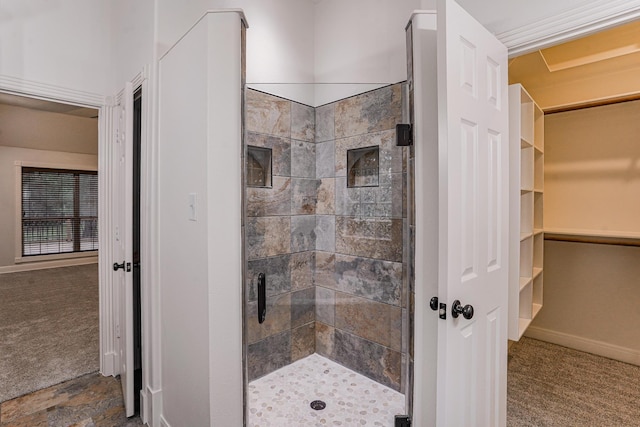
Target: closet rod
pixel 592 104
pixel 601 240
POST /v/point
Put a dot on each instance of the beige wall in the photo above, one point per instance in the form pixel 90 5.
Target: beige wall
pixel 592 169
pixel 43 130
pixel 592 183
pixel 591 291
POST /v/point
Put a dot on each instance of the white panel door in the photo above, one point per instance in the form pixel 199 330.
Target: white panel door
pixel 473 209
pixel 123 200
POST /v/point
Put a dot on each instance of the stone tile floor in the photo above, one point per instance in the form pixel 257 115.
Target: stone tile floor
pixel 89 401
pixel 283 397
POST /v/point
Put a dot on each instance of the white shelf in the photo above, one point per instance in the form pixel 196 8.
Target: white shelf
pixel 526 221
pixel 593 233
pixel 535 310
pixel 523 324
pixel 536 272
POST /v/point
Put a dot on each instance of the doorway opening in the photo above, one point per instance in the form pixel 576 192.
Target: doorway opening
pixel 588 91
pixel 49 287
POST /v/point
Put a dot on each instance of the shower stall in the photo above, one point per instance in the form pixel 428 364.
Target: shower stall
pixel 286 236
pixel 328 287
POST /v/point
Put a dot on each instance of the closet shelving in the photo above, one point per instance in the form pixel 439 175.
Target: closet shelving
pixel 526 255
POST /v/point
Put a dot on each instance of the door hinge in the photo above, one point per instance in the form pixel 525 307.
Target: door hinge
pixel 118 331
pixel 404 135
pixel 402 421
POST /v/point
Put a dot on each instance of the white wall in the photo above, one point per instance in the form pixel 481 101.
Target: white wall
pixel 182 243
pixel 201 260
pixel 361 41
pixel 279 41
pixel 132 42
pixel 64 43
pixel 294 43
pixel 8 156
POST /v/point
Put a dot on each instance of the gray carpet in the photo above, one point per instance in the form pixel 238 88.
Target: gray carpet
pixel 48 328
pixel 549 385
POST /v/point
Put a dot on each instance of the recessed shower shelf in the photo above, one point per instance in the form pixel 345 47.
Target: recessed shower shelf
pixel 363 167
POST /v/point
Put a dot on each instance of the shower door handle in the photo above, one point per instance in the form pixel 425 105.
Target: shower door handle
pixel 262 297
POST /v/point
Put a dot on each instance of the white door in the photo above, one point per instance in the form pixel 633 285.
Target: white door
pixel 473 210
pixel 123 200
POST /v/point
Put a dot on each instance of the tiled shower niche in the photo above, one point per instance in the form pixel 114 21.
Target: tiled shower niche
pixel 258 167
pixel 334 254
pixel 362 167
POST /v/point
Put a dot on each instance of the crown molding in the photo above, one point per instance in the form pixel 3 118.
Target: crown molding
pixel 578 22
pixel 50 92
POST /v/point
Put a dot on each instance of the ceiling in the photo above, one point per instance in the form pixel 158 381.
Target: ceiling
pixel 505 15
pixel 597 69
pixel 44 105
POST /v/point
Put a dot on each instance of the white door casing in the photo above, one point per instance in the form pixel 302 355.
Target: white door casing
pixel 473 215
pixel 123 204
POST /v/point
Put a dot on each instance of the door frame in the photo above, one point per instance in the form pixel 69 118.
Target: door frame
pixel 29 89
pixel 107 204
pixel 150 395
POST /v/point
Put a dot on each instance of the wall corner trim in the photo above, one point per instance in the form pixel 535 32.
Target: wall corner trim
pixel 577 22
pixel 151 404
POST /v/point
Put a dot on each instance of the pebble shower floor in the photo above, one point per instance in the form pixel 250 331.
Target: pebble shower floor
pixel 283 397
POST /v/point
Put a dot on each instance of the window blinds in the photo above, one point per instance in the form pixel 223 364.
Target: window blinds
pixel 59 211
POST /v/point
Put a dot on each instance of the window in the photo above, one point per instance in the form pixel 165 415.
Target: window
pixel 59 211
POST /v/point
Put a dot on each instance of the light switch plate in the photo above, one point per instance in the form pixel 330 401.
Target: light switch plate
pixel 193 207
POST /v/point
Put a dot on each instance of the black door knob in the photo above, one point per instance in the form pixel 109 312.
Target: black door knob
pixel 457 309
pixel 433 303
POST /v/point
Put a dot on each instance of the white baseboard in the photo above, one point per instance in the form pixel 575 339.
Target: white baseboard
pixel 108 367
pixel 151 406
pixel 48 264
pixel 163 422
pixel 145 406
pixel 599 348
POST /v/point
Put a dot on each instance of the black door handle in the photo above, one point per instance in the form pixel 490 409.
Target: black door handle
pixel 457 309
pixel 262 297
pixel 125 266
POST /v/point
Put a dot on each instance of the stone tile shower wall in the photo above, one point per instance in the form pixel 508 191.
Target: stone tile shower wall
pixel 360 305
pixel 334 258
pixel 280 234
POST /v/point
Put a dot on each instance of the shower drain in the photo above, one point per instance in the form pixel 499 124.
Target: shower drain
pixel 318 405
